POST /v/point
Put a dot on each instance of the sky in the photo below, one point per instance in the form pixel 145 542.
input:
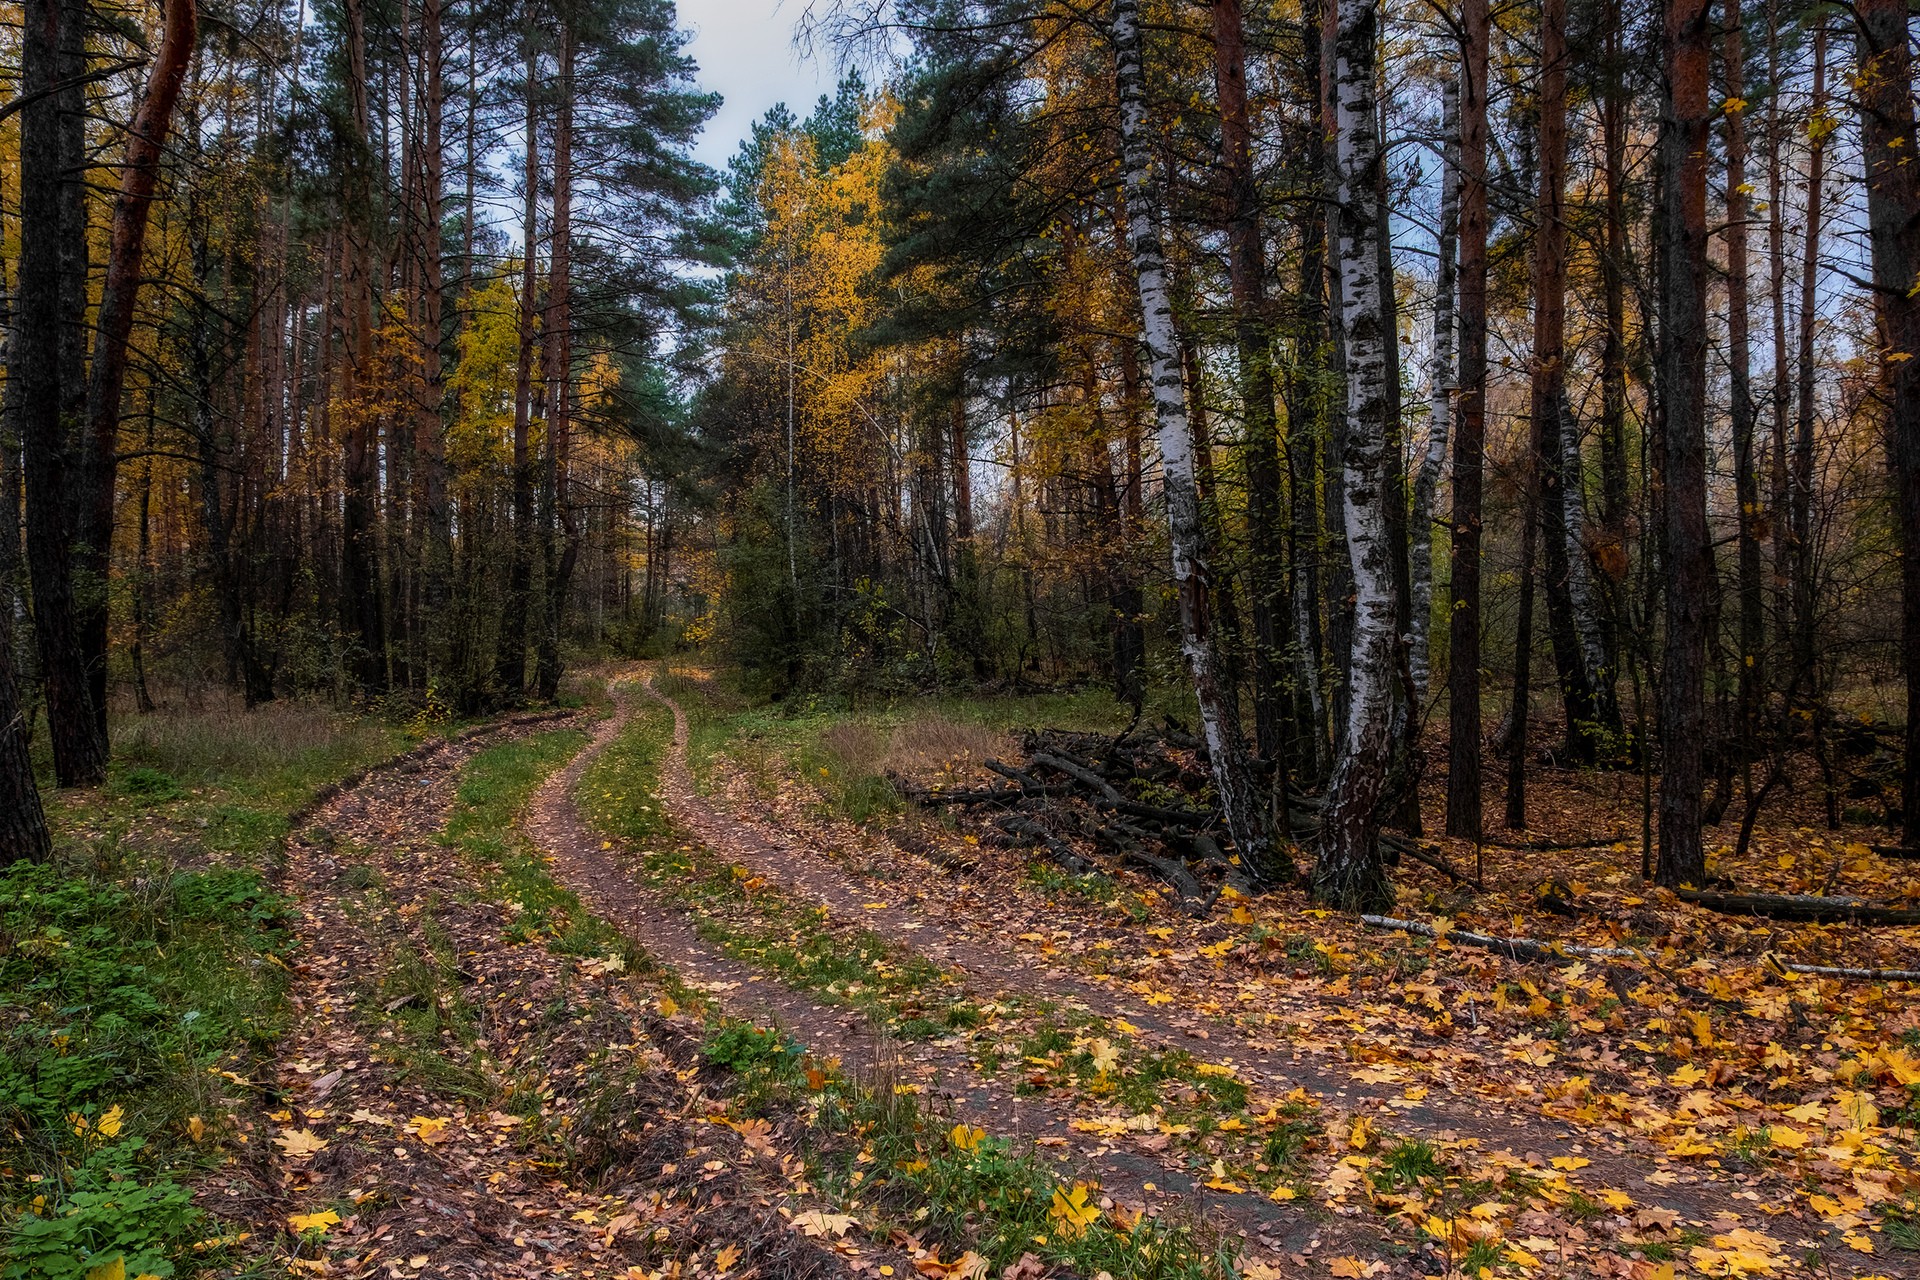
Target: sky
pixel 746 53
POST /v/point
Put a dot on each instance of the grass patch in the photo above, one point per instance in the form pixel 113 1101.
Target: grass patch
pixel 124 989
pixel 748 919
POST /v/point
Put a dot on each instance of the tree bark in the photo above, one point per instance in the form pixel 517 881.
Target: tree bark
pixel 510 665
pixel 1469 441
pixel 557 327
pixel 359 563
pixel 139 174
pixel 1683 334
pixel 1350 873
pixel 44 377
pixel 23 825
pixel 1259 854
pixel 1884 83
pixel 1439 423
pixel 1246 276
pixel 1746 478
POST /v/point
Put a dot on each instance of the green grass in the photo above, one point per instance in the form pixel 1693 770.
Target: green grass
pixel 124 989
pixel 143 974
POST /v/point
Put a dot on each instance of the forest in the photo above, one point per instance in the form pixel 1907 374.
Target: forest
pixel 1283 510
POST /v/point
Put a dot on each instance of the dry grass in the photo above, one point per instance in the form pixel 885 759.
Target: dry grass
pixel 222 739
pixel 934 743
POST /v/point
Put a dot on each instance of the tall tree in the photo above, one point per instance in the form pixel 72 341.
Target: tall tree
pixel 1885 87
pixel 1219 718
pixel 46 368
pixel 1741 408
pixel 1683 464
pixel 1349 872
pixel 1469 441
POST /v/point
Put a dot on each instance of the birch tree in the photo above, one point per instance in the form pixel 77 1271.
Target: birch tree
pixel 1440 421
pixel 1186 530
pixel 1349 873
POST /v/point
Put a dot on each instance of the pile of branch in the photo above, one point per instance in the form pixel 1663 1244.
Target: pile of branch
pixel 1078 798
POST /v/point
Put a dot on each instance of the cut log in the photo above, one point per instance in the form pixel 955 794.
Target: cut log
pixel 1060 851
pixel 1079 773
pixel 1800 906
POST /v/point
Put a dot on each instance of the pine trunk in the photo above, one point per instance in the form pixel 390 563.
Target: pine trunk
pixel 1469 440
pixel 1885 87
pixel 1683 334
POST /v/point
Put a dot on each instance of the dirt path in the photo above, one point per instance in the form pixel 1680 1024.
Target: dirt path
pixel 997 964
pixel 596 869
pixel 417 1022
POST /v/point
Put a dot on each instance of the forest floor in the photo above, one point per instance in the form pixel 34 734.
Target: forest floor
pixel 672 985
pixel 1365 1103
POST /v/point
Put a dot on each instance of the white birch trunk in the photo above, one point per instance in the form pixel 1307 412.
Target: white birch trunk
pixel 1439 426
pixel 1350 874
pixel 1219 723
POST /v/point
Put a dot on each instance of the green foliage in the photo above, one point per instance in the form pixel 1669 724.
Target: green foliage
pixel 102 1212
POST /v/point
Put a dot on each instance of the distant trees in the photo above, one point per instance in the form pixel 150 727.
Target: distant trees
pixel 1149 345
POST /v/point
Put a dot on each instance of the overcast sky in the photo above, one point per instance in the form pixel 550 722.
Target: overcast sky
pixel 745 51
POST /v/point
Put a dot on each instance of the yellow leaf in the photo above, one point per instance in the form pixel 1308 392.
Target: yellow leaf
pixel 429 1128
pixel 668 1006
pixel 108 1125
pixel 1105 1056
pixel 1687 1076
pixel 196 1128
pixel 115 1270
pixel 1361 1135
pixel 1570 1163
pixel 1071 1210
pixel 1347 1268
pixel 305 1222
pixel 299 1143
pixel 1858 1243
pixel 966 1138
pixel 1781 1136
pixel 723 1260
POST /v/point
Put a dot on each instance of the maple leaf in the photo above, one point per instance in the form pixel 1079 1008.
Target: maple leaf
pixel 724 1259
pixel 1071 1210
pixel 1348 1268
pixel 305 1222
pixel 1570 1163
pixel 1105 1056
pixel 818 1224
pixel 966 1138
pixel 300 1143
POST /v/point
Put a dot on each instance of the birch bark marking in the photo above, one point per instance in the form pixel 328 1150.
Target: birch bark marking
pixel 1350 874
pixel 1683 333
pixel 1439 425
pixel 1226 749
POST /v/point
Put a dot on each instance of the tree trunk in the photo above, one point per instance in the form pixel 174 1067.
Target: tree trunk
pixel 359 565
pixel 510 665
pixel 139 174
pixel 45 370
pixel 1884 83
pixel 1469 442
pixel 1746 478
pixel 558 359
pixel 1439 424
pixel 1260 856
pixel 436 555
pixel 1683 336
pixel 1800 513
pixel 1350 873
pixel 1556 473
pixel 23 826
pixel 1246 277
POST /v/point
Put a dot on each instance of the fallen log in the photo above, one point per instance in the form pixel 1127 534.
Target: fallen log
pixel 1896 851
pixel 1555 846
pixel 1419 853
pixel 1060 851
pixel 1800 906
pixel 1079 773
